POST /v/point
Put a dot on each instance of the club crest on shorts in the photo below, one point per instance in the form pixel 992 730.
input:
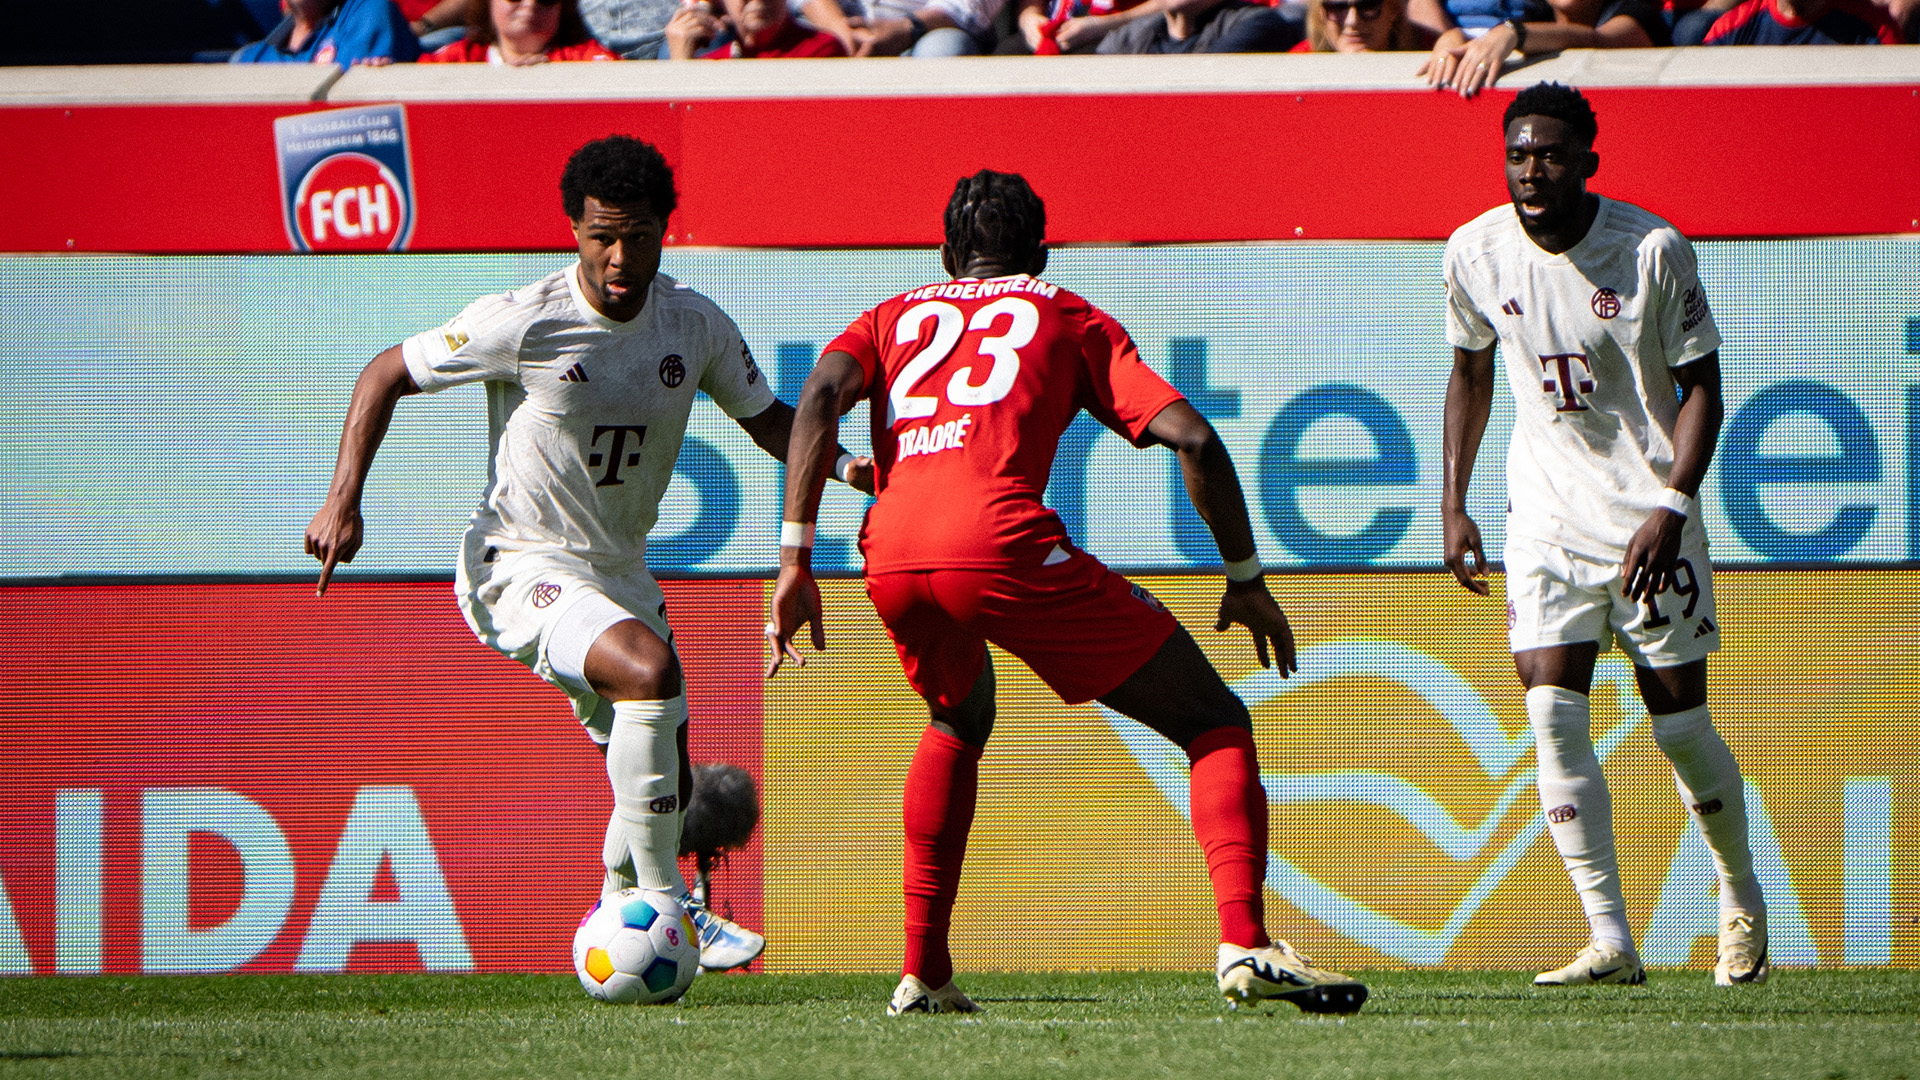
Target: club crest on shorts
pixel 665 804
pixel 545 593
pixel 1147 598
pixel 1606 303
pixel 673 370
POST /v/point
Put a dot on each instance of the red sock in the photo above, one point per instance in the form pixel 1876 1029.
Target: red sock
pixel 1230 820
pixel 938 809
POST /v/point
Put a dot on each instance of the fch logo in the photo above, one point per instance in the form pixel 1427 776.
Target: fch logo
pixel 346 179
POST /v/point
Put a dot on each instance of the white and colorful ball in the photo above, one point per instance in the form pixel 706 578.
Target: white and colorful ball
pixel 636 946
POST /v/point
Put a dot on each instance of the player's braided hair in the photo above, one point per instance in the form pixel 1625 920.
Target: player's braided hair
pixel 995 215
pixel 619 170
pixel 1560 102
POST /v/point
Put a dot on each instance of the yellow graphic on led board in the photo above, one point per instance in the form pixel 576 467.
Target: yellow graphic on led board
pixel 1406 828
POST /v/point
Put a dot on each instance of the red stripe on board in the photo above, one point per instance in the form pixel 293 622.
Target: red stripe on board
pixel 297 703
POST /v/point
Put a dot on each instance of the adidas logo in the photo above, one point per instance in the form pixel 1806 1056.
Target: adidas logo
pixel 576 373
pixel 1512 307
pixel 1706 627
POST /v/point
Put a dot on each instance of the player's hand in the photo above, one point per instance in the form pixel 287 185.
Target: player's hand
pixel 860 474
pixel 1466 556
pixel 1249 604
pixel 333 536
pixel 1443 60
pixel 796 602
pixel 1651 555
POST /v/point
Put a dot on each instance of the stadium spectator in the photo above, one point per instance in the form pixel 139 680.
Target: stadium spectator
pixel 1469 64
pixel 1805 22
pixel 437 23
pixel 1352 26
pixel 1206 26
pixel 364 32
pixel 521 32
pixel 752 29
pixel 1052 27
pixel 912 28
pixel 1692 19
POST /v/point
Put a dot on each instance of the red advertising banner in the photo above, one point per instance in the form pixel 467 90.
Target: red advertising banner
pixel 222 777
pixel 1718 161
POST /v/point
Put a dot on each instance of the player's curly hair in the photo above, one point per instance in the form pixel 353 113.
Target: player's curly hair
pixel 1560 102
pixel 995 215
pixel 618 170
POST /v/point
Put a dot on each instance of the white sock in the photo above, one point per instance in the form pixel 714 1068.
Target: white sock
pixel 643 765
pixel 1708 780
pixel 1573 792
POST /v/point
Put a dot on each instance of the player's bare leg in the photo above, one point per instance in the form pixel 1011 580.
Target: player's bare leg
pixel 1178 694
pixel 1579 810
pixel 943 783
pixel 1708 780
pixel 648 767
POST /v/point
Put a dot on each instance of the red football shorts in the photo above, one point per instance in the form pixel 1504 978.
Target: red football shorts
pixel 1080 626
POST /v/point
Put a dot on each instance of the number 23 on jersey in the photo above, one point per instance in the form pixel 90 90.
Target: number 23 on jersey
pixel 1023 321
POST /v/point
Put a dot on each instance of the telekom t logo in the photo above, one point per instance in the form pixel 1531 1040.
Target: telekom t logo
pixel 1557 376
pixel 617 454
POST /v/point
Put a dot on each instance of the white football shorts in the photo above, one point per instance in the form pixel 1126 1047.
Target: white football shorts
pixel 1559 597
pixel 546 609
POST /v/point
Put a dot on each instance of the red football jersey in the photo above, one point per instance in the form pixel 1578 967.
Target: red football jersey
pixel 971 384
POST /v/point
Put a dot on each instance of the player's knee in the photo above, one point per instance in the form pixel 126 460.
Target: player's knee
pixel 1681 731
pixel 633 667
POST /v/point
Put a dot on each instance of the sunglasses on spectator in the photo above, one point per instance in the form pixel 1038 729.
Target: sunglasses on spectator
pixel 542 3
pixel 1368 10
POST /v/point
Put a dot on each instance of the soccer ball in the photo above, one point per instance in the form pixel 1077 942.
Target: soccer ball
pixel 636 946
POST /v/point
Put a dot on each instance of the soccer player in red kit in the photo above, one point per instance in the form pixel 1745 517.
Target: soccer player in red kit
pixel 972 381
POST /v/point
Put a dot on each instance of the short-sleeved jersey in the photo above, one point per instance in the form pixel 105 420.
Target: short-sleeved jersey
pixel 972 384
pixel 1589 338
pixel 585 414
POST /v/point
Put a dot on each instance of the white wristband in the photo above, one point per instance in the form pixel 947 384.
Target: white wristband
pixel 1245 570
pixel 841 466
pixel 796 534
pixel 1677 501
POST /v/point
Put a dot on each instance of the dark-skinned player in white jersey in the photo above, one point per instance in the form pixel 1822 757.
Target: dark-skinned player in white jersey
pixel 590 376
pixel 1613 360
pixel 972 382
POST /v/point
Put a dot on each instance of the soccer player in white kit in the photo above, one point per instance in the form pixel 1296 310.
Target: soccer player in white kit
pixel 590 375
pixel 1612 357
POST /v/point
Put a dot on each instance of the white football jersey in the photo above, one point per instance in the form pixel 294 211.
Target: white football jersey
pixel 585 414
pixel 1589 338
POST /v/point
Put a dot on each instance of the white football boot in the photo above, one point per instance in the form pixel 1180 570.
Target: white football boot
pixel 1596 965
pixel 724 944
pixel 912 996
pixel 1277 972
pixel 1743 951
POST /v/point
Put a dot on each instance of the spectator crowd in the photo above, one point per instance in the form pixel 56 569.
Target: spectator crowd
pixel 1467 42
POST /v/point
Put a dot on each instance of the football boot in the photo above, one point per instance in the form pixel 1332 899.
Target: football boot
pixel 1597 964
pixel 1276 972
pixel 1743 951
pixel 724 944
pixel 912 996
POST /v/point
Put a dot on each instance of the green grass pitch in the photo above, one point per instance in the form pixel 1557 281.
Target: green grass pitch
pixel 1822 1025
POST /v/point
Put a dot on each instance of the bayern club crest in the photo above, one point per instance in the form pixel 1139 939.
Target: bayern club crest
pixel 346 179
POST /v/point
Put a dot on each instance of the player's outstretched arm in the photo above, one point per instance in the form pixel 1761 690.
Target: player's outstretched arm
pixel 1655 548
pixel 833 388
pixel 334 534
pixel 772 430
pixel 1469 404
pixel 1214 486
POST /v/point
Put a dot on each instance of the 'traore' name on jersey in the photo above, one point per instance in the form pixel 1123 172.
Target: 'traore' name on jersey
pixel 585 414
pixel 1589 338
